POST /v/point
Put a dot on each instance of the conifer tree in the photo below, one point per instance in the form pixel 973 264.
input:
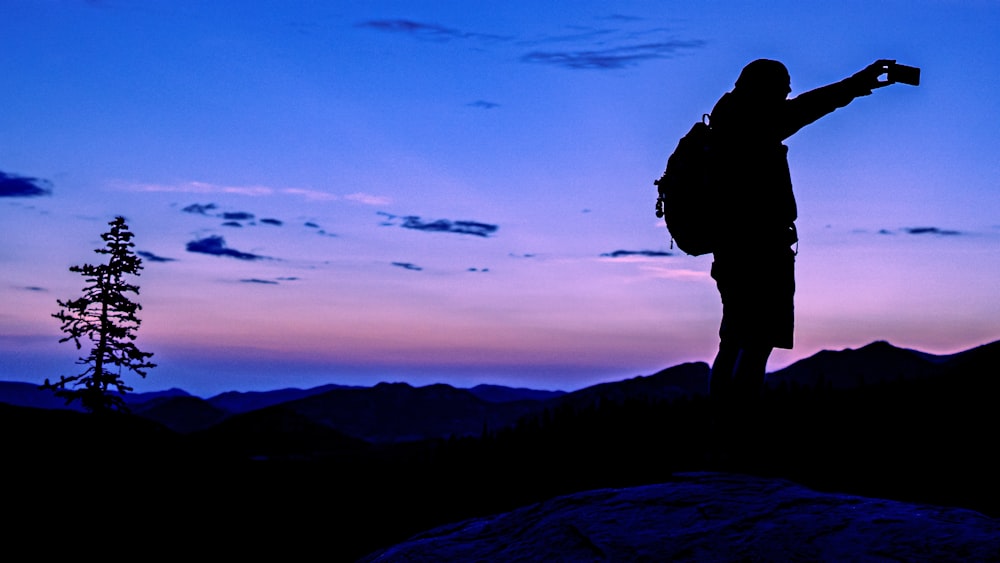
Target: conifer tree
pixel 106 316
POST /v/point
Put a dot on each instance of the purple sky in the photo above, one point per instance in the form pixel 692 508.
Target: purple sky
pixel 462 192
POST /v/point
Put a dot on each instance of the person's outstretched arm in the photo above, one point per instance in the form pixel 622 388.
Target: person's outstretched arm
pixel 814 104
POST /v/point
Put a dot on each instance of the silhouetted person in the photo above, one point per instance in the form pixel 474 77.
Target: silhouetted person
pixel 754 264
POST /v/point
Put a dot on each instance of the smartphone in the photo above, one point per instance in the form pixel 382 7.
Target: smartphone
pixel 905 74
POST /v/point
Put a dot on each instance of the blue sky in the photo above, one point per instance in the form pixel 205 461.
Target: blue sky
pixel 462 191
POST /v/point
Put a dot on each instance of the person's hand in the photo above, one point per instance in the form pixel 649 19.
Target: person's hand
pixel 867 79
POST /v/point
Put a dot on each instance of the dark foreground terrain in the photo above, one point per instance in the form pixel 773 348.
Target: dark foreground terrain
pixel 705 516
pixel 277 482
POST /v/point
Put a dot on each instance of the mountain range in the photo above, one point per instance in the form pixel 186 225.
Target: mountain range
pixel 399 412
pixel 349 470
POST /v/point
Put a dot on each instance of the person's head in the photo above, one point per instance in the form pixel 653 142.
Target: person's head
pixel 765 80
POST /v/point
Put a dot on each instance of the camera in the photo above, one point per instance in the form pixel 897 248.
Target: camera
pixel 902 73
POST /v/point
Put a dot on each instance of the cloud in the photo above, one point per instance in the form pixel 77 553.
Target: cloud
pixel 446 226
pixel 153 257
pixel 368 199
pixel 632 253
pixel 621 17
pixel 426 31
pixel 588 48
pixel 310 195
pixel 319 231
pixel 200 188
pixel 483 104
pixel 275 281
pixel 922 231
pixel 252 191
pixel 216 246
pixel 930 231
pixel 678 275
pixel 12 185
pixel 414 222
pixel 232 218
pixel 616 57
pixel 199 209
pixel 407 266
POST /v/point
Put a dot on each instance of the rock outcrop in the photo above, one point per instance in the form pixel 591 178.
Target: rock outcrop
pixel 710 517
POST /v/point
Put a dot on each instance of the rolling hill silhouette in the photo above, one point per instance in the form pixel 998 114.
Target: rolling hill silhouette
pixel 391 460
pixel 397 412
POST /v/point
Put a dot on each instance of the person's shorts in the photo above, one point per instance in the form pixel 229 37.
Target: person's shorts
pixel 757 292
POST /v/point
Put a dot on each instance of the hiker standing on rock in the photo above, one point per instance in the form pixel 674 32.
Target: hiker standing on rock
pixel 754 260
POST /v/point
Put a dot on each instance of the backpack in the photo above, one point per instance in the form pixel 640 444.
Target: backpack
pixel 688 198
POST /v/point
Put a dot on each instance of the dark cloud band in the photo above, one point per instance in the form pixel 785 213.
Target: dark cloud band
pixel 12 185
pixel 614 57
pixel 153 257
pixel 923 231
pixel 605 48
pixel 426 31
pixel 627 253
pixel 216 246
pixel 445 226
pixel 414 222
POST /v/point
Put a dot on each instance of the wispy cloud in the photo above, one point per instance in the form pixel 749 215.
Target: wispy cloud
pixel 153 257
pixel 216 246
pixel 483 104
pixel 621 17
pixel 310 195
pixel 275 281
pixel 200 188
pixel 414 222
pixel 236 218
pixel 368 199
pixel 930 231
pixel 12 185
pixel 230 218
pixel 636 253
pixel 923 231
pixel 253 191
pixel 427 31
pixel 407 266
pixel 199 209
pixel 678 274
pixel 610 58
pixel 581 47
pixel 445 226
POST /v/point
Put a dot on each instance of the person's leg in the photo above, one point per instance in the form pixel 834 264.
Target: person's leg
pixel 721 405
pixel 723 368
pixel 749 371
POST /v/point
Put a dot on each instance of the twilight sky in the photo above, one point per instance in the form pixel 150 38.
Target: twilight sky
pixel 461 191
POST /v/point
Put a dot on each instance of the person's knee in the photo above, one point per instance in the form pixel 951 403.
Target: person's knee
pixel 723 368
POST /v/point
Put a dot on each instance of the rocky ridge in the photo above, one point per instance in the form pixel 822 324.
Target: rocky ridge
pixel 710 517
